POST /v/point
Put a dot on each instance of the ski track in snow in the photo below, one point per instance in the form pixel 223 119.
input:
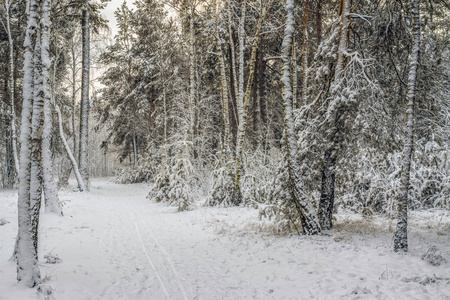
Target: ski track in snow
pixel 148 257
pixel 115 244
pixel 162 249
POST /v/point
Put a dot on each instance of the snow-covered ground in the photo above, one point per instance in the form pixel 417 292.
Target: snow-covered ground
pixel 115 244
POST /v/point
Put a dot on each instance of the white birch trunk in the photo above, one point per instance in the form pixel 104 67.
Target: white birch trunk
pixel 244 98
pixel 223 80
pixel 50 190
pixel 192 82
pixel 303 204
pixel 27 259
pixel 401 232
pixel 36 141
pixel 84 111
pixel 11 86
pixel 305 54
pixel 81 185
pixel 294 75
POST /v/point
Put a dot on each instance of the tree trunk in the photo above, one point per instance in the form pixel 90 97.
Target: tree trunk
pixel 26 253
pixel 50 190
pixel 223 80
pixel 303 204
pixel 401 232
pixel 11 86
pixel 192 83
pixel 36 142
pixel 305 54
pixel 245 98
pixel 84 111
pixel 326 203
pixel 81 185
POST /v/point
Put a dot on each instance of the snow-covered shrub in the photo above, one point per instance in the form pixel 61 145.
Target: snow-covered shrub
pixel 224 191
pixel 371 183
pixel 430 180
pixel 174 185
pixel 258 181
pixel 52 258
pixel 280 207
pixel 434 256
pixel 143 172
pixel 160 189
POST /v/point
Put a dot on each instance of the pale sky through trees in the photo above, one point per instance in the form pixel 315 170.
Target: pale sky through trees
pixel 109 10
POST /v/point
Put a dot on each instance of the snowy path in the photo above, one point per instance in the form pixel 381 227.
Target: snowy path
pixel 115 244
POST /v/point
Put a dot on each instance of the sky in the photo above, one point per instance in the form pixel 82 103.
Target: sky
pixel 109 10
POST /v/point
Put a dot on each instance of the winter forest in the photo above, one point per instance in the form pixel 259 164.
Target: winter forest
pixel 225 149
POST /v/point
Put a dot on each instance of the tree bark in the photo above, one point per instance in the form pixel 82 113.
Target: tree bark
pixel 11 86
pixel 84 111
pixel 50 190
pixel 305 54
pixel 223 81
pixel 401 232
pixel 26 253
pixel 245 98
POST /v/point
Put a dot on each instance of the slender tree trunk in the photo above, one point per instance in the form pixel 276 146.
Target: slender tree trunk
pixel 305 54
pixel 74 95
pixel 81 185
pixel 84 111
pixel 401 232
pixel 326 203
pixel 294 75
pixel 192 83
pixel 50 190
pixel 163 86
pixel 223 80
pixel 245 97
pixel 36 142
pixel 11 86
pixel 234 90
pixel 26 253
pixel 303 204
pixel 319 21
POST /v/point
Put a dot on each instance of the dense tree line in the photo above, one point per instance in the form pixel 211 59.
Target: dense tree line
pixel 304 106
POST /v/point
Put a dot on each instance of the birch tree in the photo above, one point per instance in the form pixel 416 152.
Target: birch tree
pixel 401 232
pixel 244 97
pixel 50 189
pixel 27 258
pixel 303 204
pixel 84 110
pixel 12 96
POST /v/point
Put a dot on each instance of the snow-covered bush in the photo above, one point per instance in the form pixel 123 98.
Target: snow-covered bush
pixel 142 172
pixel 175 185
pixel 280 207
pixel 434 256
pixel 224 191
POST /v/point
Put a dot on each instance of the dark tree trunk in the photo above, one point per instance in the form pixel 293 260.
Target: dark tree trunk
pixel 327 190
pixel 233 108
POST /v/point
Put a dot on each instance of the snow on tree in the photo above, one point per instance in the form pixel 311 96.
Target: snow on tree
pixel 300 198
pixel 27 258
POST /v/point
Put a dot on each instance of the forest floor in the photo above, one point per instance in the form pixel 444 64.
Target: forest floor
pixel 116 244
